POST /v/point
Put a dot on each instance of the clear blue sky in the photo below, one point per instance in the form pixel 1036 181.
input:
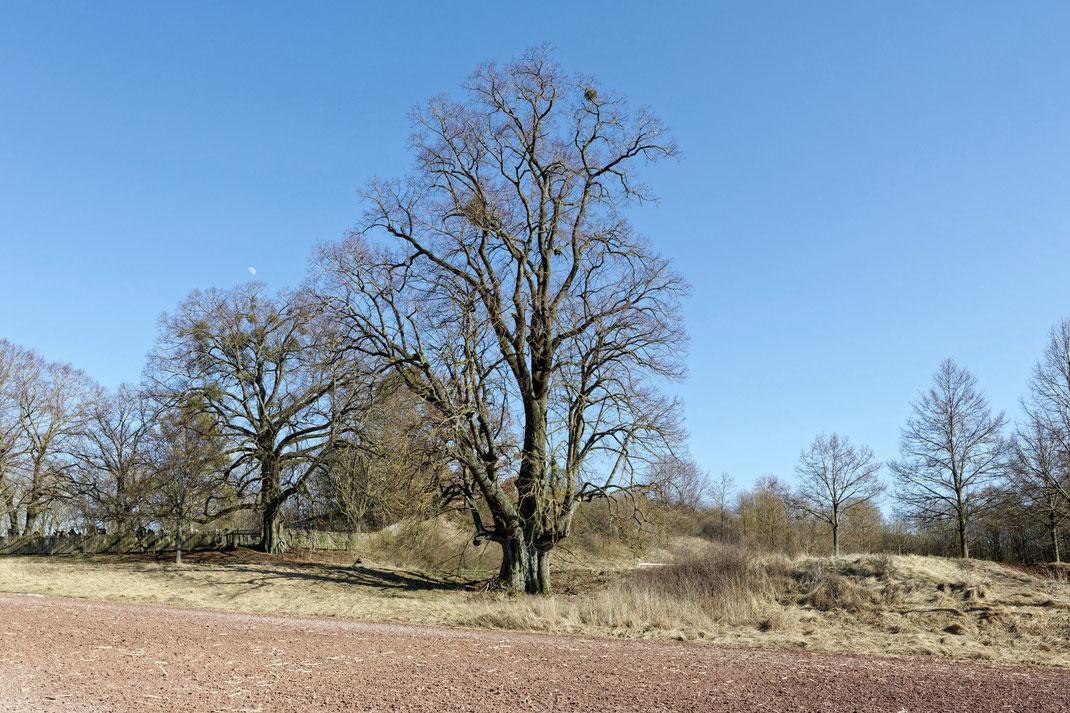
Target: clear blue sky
pixel 867 187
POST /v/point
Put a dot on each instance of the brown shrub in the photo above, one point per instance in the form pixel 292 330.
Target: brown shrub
pixel 722 583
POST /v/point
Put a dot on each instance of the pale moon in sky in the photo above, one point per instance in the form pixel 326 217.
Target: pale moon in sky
pixel 252 270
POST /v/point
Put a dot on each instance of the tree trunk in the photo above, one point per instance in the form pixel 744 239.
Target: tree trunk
pixel 524 569
pixel 178 545
pixel 541 585
pixel 964 547
pixel 514 571
pixel 1054 539
pixel 31 518
pixel 271 539
pixel 835 539
pixel 12 517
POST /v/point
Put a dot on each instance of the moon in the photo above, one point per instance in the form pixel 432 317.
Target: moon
pixel 252 270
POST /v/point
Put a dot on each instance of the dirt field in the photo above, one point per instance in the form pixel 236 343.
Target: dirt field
pixel 80 656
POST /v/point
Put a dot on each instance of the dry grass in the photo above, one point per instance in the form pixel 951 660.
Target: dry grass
pixel 900 606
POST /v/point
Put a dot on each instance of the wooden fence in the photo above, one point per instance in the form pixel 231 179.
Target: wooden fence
pixel 64 544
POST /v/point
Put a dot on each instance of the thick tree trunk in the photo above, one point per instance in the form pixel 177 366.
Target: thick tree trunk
pixel 178 545
pixel 524 569
pixel 541 583
pixel 515 568
pixel 271 539
pixel 31 518
pixel 835 539
pixel 532 555
pixel 964 547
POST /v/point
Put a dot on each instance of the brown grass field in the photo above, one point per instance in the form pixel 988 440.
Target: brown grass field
pixel 906 606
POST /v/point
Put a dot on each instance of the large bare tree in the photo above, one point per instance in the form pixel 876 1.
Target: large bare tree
pixel 503 282
pixel 266 368
pixel 835 477
pixel 951 453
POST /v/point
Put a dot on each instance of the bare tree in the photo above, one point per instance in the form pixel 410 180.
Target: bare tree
pixel 390 465
pixel 765 513
pixel 515 295
pixel 722 491
pixel 951 453
pixel 111 466
pixel 1039 474
pixel 835 476
pixel 53 400
pixel 679 482
pixel 1041 462
pixel 267 370
pixel 14 365
pixel 186 451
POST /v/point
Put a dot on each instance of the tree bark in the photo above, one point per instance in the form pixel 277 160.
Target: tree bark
pixel 12 517
pixel 835 539
pixel 1054 539
pixel 271 540
pixel 542 573
pixel 32 510
pixel 964 547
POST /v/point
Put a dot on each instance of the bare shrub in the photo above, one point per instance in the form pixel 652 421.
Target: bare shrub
pixel 724 584
pixel 835 591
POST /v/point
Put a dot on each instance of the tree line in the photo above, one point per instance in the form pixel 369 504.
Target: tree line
pixel 966 479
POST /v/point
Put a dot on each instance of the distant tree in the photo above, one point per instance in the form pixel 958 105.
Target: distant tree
pixel 390 465
pixel 722 491
pixel 1040 465
pixel 864 528
pixel 185 452
pixel 14 365
pixel 111 459
pixel 53 400
pixel 765 513
pixel 510 292
pixel 267 369
pixel 951 453
pixel 835 477
pixel 679 482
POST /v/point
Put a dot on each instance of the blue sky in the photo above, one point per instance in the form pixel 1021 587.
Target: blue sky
pixel 866 187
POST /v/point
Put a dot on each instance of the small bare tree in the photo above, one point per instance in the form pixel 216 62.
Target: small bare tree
pixel 951 453
pixel 835 476
pixel 1039 474
pixel 186 451
pixel 679 482
pixel 722 497
pixel 1040 466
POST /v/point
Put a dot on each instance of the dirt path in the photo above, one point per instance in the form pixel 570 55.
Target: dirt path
pixel 68 655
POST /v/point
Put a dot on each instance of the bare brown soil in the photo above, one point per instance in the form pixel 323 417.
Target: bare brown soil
pixel 79 656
